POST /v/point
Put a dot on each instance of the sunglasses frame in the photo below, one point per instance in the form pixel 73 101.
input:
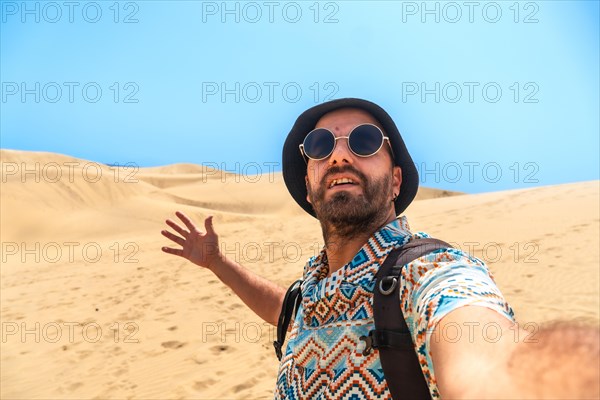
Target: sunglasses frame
pixel 385 138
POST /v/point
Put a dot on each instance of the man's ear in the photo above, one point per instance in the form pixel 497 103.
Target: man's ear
pixel 307 189
pixel 396 179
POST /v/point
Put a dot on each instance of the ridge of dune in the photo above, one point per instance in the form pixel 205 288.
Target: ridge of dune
pixel 51 189
pixel 162 177
pixel 59 182
pixel 425 193
pixel 26 156
pixel 180 168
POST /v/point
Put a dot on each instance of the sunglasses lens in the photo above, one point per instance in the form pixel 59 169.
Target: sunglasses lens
pixel 365 140
pixel 319 143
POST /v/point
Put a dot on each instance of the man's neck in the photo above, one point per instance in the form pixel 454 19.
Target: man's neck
pixel 341 250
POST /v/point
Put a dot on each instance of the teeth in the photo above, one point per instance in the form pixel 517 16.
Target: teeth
pixel 340 181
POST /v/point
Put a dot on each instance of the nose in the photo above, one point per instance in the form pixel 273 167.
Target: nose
pixel 341 152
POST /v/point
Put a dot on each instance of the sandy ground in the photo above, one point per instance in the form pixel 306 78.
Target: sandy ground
pixel 91 308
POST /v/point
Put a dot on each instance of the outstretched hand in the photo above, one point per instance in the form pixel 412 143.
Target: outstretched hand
pixel 201 248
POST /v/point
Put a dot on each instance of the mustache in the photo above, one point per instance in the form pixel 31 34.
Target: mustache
pixel 341 169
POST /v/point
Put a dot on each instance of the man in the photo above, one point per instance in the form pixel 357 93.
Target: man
pixel 345 163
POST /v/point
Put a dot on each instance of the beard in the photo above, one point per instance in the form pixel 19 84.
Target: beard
pixel 347 215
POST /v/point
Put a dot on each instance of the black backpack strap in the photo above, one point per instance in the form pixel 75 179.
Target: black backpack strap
pixel 391 334
pixel 289 308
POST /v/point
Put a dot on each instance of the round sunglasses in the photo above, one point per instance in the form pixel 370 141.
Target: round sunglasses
pixel 364 140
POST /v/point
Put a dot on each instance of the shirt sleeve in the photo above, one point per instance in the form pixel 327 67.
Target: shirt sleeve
pixel 438 283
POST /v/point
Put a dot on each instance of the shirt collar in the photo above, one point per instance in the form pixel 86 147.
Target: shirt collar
pixel 380 244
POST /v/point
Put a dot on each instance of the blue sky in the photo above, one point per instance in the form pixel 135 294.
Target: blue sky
pixel 488 95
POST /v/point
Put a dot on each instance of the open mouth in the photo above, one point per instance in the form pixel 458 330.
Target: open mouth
pixel 342 182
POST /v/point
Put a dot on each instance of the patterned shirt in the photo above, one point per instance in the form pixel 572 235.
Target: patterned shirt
pixel 323 358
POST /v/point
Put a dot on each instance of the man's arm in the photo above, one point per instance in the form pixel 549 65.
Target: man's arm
pixel 469 349
pixel 479 354
pixel 202 248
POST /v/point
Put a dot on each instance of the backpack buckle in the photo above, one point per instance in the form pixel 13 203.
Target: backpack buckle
pixel 277 346
pixel 368 343
pixel 390 282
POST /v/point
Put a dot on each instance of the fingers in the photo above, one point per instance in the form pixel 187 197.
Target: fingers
pixel 173 237
pixel 177 252
pixel 177 228
pixel 190 225
pixel 208 225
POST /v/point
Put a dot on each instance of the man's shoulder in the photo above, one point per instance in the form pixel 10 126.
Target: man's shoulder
pixel 450 253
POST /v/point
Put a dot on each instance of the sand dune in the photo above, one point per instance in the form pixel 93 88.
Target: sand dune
pixel 91 308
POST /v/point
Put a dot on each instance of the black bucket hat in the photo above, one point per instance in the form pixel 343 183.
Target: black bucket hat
pixel 294 164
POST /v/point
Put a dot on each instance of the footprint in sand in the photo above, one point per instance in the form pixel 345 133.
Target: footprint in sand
pixel 84 354
pixel 173 344
pixel 243 386
pixel 165 314
pixel 198 359
pixel 201 385
pixel 119 372
pixel 75 385
pixel 220 349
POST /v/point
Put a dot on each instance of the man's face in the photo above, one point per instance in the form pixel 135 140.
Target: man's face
pixel 352 207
